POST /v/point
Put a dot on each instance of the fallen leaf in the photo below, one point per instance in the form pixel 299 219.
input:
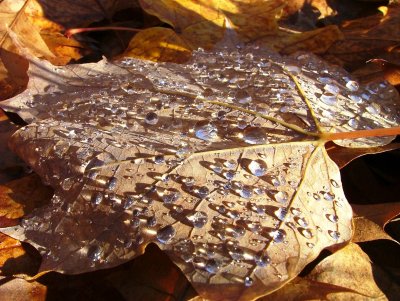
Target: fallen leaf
pixel 22 17
pixel 22 290
pixel 187 157
pixel 368 38
pixel 372 219
pixel 21 196
pixel 351 268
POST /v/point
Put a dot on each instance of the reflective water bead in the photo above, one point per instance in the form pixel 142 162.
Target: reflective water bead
pixel 355 98
pixel 198 219
pixel 334 234
pixel 159 159
pixel 353 123
pixel 281 196
pixel 332 89
pixel 248 281
pixel 212 266
pixel 254 135
pixel 231 164
pixel 97 198
pixel 334 183
pixel 166 234
pixel 205 131
pixel 245 192
pixel 242 96
pixel 203 192
pixel 329 196
pixel 258 168
pixel 170 196
pixel 95 253
pixel 217 167
pixel 352 85
pixel 151 118
pixel 332 218
pixel 306 233
pixel 112 183
pixel 278 235
pixel 262 260
pixel 281 213
pixel 301 221
pixel 329 98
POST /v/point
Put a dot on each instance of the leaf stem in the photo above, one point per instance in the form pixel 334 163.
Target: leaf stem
pixel 361 134
pixel 72 31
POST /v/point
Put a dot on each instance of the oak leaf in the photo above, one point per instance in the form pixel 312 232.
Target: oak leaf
pixel 220 161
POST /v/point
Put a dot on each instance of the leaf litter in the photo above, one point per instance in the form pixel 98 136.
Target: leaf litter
pixel 218 161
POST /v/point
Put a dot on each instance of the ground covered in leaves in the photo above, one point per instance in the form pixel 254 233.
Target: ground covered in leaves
pixel 220 170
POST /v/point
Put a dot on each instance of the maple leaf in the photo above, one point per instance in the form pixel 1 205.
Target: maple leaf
pixel 221 162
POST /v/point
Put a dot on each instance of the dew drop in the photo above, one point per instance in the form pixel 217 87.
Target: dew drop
pixel 332 88
pixel 229 175
pixel 316 196
pixel 254 135
pixel 151 118
pixel 151 221
pixel 217 167
pixel 281 196
pixel 203 192
pixel 245 192
pixel 112 183
pixel 329 98
pixel 206 131
pixel 295 211
pixel 95 253
pixel 97 198
pixel 301 221
pixel 243 97
pixel 352 85
pixel 248 281
pixel 356 98
pixel 166 234
pixel 278 235
pixel 329 196
pixel 353 123
pixel 281 213
pixel 262 260
pixel 332 218
pixel 310 245
pixel 188 182
pixel 198 219
pixel 258 168
pixel 169 196
pixel 159 159
pixel 334 183
pixel 212 266
pixel 334 234
pixel 236 253
pixel 306 232
pixel 231 164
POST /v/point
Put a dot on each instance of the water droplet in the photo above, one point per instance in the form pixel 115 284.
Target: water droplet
pixel 334 234
pixel 293 69
pixel 151 221
pixel 212 266
pixel 203 192
pixel 169 196
pixel 206 131
pixel 229 175
pixel 352 85
pixel 332 218
pixel 243 97
pixel 248 281
pixel 198 219
pixel 356 98
pixel 245 192
pixel 159 159
pixel 353 123
pixel 95 253
pixel 262 260
pixel 217 167
pixel 254 135
pixel 334 183
pixel 112 183
pixel 231 164
pixel 278 235
pixel 97 198
pixel 329 98
pixel 306 232
pixel 281 196
pixel 329 196
pixel 235 252
pixel 188 182
pixel 332 88
pixel 151 118
pixel 295 211
pixel 281 213
pixel 324 80
pixel 316 196
pixel 310 245
pixel 301 221
pixel 258 168
pixel 166 234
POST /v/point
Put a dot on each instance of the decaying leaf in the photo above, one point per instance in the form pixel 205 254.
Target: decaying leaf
pixel 221 162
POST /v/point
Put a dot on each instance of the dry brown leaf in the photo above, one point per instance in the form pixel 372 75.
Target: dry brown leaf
pixel 24 18
pixel 19 197
pixel 17 289
pixel 351 268
pixel 367 230
pixel 159 44
pixel 367 38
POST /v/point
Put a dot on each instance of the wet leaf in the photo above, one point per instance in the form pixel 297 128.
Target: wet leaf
pixel 220 161
pixel 22 290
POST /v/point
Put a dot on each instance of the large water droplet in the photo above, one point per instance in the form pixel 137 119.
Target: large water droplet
pixel 301 221
pixel 262 260
pixel 159 159
pixel 112 183
pixel 281 196
pixel 258 168
pixel 248 281
pixel 97 198
pixel 352 85
pixel 198 219
pixel 281 213
pixel 245 192
pixel 329 98
pixel 353 123
pixel 355 98
pixel 206 131
pixel 332 218
pixel 231 164
pixel 212 266
pixel 306 233
pixel 254 135
pixel 217 167
pixel 95 253
pixel 334 234
pixel 278 235
pixel 166 234
pixel 151 118
pixel 202 192
pixel 243 97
